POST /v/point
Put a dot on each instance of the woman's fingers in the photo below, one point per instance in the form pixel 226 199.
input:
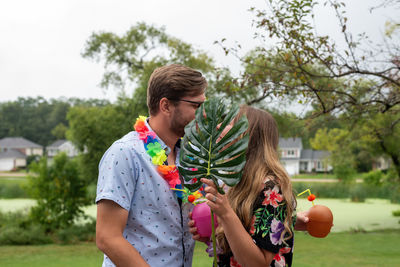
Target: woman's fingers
pixel 207 182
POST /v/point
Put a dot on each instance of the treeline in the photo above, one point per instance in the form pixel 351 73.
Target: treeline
pixel 39 120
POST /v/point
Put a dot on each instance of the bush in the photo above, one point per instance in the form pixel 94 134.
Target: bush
pixel 344 172
pixel 17 229
pixel 374 178
pixel 60 193
pixel 358 193
pixel 396 213
pixel 77 232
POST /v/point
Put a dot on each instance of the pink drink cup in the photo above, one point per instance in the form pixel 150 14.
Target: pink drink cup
pixel 202 216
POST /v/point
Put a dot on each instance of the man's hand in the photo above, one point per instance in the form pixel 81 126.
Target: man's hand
pixel 193 231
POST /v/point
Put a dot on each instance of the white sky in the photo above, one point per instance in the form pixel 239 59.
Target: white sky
pixel 41 40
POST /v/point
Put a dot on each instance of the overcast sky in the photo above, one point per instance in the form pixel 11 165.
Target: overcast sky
pixel 41 40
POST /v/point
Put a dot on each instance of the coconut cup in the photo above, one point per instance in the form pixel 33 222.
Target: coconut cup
pixel 320 221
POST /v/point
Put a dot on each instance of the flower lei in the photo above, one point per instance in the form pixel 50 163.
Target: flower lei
pixel 158 157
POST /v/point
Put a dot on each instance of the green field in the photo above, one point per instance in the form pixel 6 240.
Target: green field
pixel 338 249
pixel 373 214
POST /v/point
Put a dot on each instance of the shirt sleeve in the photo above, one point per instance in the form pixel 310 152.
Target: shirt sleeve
pixel 268 218
pixel 117 176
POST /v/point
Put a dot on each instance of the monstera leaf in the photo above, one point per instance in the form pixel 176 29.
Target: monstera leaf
pixel 204 156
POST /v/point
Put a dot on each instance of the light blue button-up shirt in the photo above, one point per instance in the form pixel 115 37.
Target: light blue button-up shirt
pixel 156 225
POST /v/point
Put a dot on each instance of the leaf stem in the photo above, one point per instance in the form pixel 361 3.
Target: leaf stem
pixel 213 240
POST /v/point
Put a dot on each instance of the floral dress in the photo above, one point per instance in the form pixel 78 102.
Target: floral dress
pixel 267 225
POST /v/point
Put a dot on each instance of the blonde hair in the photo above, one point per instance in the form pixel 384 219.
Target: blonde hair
pixel 261 161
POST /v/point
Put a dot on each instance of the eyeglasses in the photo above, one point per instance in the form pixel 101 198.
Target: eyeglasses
pixel 189 101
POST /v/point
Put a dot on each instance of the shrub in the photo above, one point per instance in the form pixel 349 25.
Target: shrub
pixel 344 172
pixel 16 228
pixel 374 178
pixel 396 213
pixel 77 232
pixel 358 193
pixel 60 193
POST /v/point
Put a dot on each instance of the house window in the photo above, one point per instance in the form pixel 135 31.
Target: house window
pixel 319 165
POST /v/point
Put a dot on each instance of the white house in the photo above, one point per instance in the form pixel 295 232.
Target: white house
pixel 11 160
pixel 290 151
pixel 14 150
pixel 62 146
pixel 296 159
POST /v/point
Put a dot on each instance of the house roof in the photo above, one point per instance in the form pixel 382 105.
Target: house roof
pixel 314 154
pixel 12 153
pixel 57 143
pixel 291 142
pixel 17 142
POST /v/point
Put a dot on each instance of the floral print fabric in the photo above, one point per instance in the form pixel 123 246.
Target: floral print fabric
pixel 267 226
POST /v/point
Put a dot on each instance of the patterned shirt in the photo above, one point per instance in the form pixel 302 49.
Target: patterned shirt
pixel 157 222
pixel 269 213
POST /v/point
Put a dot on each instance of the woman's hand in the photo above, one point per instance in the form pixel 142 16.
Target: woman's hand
pixel 218 203
pixel 301 221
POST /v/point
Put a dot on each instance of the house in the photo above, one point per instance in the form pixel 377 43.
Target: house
pixel 11 160
pixel 295 159
pixel 314 161
pixel 290 152
pixel 15 150
pixel 62 146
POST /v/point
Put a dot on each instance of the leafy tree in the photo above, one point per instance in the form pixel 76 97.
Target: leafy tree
pixel 339 144
pixel 130 59
pixel 93 130
pixel 59 191
pixel 59 131
pixel 353 82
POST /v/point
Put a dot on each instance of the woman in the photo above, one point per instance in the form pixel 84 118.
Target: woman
pixel 256 217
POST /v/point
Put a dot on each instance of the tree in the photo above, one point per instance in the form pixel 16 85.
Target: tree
pixel 93 130
pixel 36 118
pixel 339 144
pixel 130 59
pixel 353 82
pixel 59 191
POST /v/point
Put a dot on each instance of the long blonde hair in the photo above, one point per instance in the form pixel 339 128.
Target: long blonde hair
pixel 262 160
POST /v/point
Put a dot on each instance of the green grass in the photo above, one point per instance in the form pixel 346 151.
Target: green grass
pixel 315 176
pixel 13 187
pixel 21 181
pixel 337 249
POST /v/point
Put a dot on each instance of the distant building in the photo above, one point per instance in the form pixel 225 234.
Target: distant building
pixel 296 159
pixel 62 146
pixel 14 151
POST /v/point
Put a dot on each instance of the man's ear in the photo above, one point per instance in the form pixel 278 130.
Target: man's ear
pixel 165 106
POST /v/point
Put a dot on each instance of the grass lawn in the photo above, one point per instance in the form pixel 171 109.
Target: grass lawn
pixel 338 249
pixel 315 176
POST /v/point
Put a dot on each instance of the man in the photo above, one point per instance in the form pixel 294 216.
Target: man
pixel 140 221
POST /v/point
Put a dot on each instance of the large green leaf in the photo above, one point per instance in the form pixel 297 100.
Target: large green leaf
pixel 202 156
